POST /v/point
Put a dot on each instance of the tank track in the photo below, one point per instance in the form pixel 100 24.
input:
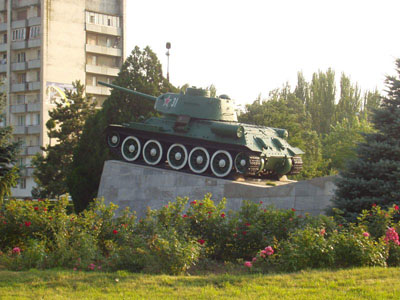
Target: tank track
pixel 297 165
pixel 253 170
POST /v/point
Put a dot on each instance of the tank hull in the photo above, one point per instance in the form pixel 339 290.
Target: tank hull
pixel 220 149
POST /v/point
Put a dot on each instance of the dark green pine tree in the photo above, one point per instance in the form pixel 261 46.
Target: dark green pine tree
pixel 374 176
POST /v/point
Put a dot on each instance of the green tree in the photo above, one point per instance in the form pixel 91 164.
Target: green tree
pixel 9 172
pixel 141 71
pixel 284 109
pixel 339 145
pixel 64 129
pixel 321 101
pixel 350 101
pixel 374 176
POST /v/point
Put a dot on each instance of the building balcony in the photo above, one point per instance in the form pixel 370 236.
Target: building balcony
pixel 19 45
pixel 32 150
pixel 3 26
pixel 3 47
pixel 34 21
pixel 3 5
pixel 102 70
pixel 19 108
pixel 19 87
pixel 34 43
pixel 3 68
pixel 98 90
pixel 115 31
pixel 19 66
pixel 33 107
pixel 19 130
pixel 19 24
pixel 104 50
pixel 33 86
pixel 33 129
pixel 34 64
pixel 25 3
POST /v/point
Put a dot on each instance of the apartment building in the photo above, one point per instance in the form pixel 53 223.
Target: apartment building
pixel 45 45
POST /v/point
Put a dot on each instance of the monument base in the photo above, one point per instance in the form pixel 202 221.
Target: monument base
pixel 140 187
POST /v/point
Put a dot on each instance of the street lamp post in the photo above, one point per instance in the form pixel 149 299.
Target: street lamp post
pixel 168 46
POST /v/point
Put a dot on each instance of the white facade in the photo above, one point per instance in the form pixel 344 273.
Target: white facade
pixel 45 45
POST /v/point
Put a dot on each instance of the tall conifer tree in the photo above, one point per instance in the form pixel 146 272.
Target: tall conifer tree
pixel 374 177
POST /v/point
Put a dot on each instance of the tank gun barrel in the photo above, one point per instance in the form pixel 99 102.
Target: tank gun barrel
pixel 150 97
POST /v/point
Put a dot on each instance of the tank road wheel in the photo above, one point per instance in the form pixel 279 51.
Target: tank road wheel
pixel 199 159
pixel 130 148
pixel 221 163
pixel 113 139
pixel 177 156
pixel 152 152
pixel 242 163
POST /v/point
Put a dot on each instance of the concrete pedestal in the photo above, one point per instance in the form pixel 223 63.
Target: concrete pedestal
pixel 138 187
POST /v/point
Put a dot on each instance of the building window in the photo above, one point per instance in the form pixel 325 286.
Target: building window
pixel 21 120
pixel 5 38
pixel 34 32
pixel 19 34
pixel 21 78
pixel 22 183
pixel 20 99
pixel 21 57
pixel 36 120
pixel 22 14
pixel 102 19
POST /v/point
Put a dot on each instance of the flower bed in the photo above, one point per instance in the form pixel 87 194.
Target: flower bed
pixel 38 234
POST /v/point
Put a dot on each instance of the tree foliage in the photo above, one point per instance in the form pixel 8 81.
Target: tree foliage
pixel 374 176
pixel 326 131
pixel 9 173
pixel 141 72
pixel 64 129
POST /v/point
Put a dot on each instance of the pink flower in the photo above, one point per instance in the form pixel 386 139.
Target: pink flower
pixel 16 250
pixel 185 216
pixel 75 269
pixel 261 202
pixel 222 215
pixel 293 209
pixel 193 202
pixel 254 259
pixel 248 264
pixel 263 253
pixel 322 232
pixel 36 208
pixel 92 266
pixel 244 232
pixel 201 241
pixel 374 205
pixel 27 224
pixel 268 250
pixel 247 224
pixel 396 207
pixel 366 234
pixel 392 235
pixel 115 231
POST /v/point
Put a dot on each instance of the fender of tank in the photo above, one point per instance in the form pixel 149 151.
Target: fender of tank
pixel 201 134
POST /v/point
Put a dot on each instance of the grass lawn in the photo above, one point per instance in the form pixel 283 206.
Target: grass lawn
pixel 361 283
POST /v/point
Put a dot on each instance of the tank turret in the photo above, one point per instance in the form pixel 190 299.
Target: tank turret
pixel 200 134
pixel 195 103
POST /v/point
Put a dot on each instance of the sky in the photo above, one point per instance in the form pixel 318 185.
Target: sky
pixel 248 48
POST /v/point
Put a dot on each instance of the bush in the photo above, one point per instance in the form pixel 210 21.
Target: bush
pixel 36 234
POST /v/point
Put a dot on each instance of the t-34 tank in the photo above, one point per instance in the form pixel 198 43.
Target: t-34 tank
pixel 201 134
